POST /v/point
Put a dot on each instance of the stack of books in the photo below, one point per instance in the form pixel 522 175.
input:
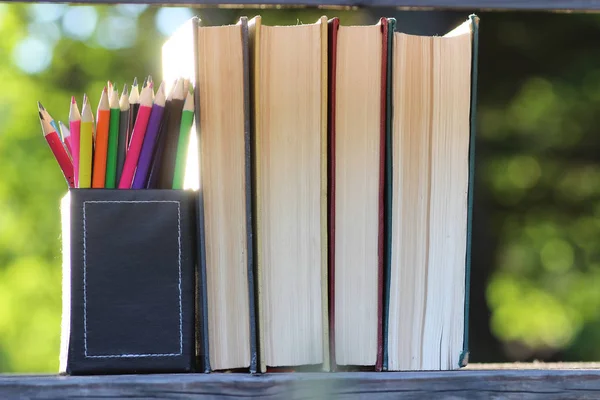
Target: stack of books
pixel 335 172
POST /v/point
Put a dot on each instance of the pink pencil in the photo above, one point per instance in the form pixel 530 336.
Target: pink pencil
pixel 74 126
pixel 137 138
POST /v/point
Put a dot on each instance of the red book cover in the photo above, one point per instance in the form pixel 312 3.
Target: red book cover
pixel 333 26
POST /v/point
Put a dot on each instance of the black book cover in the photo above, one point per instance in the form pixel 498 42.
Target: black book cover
pixel 179 55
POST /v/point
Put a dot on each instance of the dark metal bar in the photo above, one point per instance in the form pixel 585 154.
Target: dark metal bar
pixel 473 5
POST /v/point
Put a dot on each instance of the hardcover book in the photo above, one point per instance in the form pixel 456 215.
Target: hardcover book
pixel 227 326
pixel 430 183
pixel 357 134
pixel 289 92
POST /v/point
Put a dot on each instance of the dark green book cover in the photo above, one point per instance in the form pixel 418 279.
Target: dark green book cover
pixel 464 356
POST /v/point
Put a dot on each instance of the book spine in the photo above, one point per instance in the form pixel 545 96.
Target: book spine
pixel 202 301
pixel 333 26
pixel 324 250
pixel 249 211
pixel 464 356
pixel 254 40
pixel 381 194
pixel 388 192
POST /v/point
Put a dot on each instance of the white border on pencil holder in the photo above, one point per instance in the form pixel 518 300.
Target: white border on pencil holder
pixel 85 284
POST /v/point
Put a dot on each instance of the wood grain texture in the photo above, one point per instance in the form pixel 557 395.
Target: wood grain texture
pixel 472 5
pixel 469 383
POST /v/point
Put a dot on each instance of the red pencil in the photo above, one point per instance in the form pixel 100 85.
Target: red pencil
pixel 58 149
pixel 137 138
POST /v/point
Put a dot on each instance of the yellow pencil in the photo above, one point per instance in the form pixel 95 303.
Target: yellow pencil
pixel 86 133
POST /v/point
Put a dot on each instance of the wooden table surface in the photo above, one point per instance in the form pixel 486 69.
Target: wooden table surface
pixel 491 381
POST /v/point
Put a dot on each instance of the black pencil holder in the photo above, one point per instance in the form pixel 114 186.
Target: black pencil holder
pixel 128 281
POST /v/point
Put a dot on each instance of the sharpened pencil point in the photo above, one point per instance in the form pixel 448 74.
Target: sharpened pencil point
pixel 125 91
pixel 73 101
pixel 145 83
pixel 135 81
pixel 40 106
pixel 104 90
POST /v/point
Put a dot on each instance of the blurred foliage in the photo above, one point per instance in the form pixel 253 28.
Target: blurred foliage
pixel 539 183
pixel 536 263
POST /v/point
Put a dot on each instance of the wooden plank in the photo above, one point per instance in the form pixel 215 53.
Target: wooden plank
pixel 475 383
pixel 472 5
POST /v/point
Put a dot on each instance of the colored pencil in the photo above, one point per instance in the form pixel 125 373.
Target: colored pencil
pixel 160 142
pixel 66 135
pixel 60 153
pixel 187 119
pixel 137 138
pixel 86 100
pixel 167 166
pixel 86 143
pixel 145 160
pixel 101 142
pixel 49 118
pixel 123 132
pixel 134 104
pixel 74 125
pixel 113 140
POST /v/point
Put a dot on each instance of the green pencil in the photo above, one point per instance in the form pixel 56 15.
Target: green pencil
pixel 113 140
pixel 187 119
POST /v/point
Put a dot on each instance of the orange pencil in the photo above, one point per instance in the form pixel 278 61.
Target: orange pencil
pixel 101 147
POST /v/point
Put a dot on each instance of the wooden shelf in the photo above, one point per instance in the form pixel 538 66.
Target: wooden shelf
pixel 472 5
pixel 529 382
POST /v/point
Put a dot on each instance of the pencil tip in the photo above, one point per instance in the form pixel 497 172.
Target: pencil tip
pixel 73 101
pixel 125 91
pixel 135 81
pixel 104 90
pixel 40 106
pixel 150 78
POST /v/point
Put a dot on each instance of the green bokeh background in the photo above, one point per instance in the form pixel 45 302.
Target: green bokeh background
pixel 536 259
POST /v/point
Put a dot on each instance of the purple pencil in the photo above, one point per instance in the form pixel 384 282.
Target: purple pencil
pixel 145 161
